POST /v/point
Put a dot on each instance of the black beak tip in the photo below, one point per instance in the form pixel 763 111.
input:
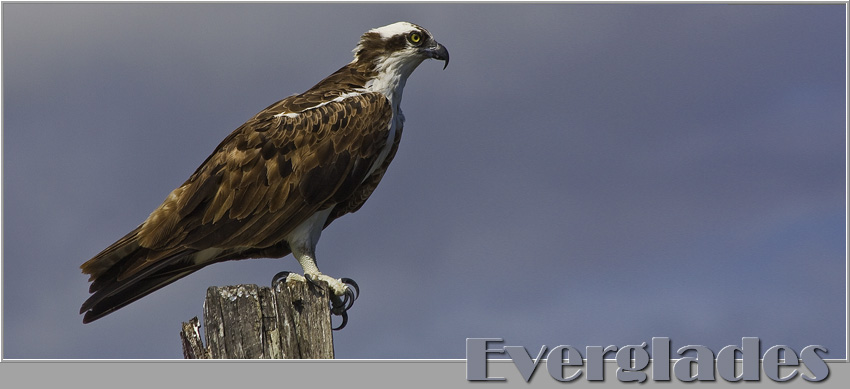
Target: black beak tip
pixel 444 55
pixel 440 53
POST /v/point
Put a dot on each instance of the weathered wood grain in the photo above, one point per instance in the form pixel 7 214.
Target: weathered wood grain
pixel 291 321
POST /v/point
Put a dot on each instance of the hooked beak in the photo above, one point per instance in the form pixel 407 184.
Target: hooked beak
pixel 437 51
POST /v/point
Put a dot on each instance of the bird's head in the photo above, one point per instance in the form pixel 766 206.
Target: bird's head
pixel 398 47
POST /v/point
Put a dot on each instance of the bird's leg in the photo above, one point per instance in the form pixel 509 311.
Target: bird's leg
pixel 312 274
pixel 344 290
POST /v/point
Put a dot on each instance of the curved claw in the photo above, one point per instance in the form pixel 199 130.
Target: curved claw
pixel 278 277
pixel 349 296
pixel 351 282
pixel 311 280
pixel 344 315
pixel 340 306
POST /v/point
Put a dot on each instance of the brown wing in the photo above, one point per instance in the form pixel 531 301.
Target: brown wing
pixel 270 175
pixel 359 197
pixel 264 179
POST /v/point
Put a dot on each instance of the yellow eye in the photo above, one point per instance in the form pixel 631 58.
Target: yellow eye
pixel 414 38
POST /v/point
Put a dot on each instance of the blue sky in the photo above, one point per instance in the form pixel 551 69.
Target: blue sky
pixel 580 174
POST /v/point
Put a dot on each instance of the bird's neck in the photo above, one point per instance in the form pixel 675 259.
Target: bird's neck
pixel 389 75
pixel 385 75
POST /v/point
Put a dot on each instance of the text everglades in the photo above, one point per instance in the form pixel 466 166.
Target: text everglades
pixel 566 363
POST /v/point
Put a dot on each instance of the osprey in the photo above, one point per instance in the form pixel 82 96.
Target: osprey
pixel 273 185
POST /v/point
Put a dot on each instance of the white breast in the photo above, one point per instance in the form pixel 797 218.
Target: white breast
pixel 393 72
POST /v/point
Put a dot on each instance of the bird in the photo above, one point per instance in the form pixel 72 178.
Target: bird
pixel 272 185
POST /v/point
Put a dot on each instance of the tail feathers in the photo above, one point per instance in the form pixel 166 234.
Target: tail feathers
pixel 126 247
pixel 102 304
pixel 120 280
pixel 112 291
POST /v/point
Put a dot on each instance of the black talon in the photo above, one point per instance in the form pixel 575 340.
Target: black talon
pixel 344 321
pixel 278 277
pixel 354 284
pixel 349 299
pixel 311 280
pixel 335 304
pixel 338 308
pixel 341 304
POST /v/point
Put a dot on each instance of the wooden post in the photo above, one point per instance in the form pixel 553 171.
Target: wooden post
pixel 293 321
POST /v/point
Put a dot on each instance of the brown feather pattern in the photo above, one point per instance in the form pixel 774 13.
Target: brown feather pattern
pixel 265 178
pixel 300 155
